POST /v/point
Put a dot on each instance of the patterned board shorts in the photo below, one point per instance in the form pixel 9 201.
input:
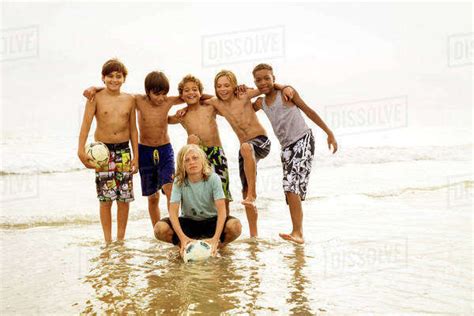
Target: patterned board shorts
pixel 216 157
pixel 261 148
pixel 297 159
pixel 114 180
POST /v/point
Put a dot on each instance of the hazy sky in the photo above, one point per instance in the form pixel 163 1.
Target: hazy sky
pixel 334 54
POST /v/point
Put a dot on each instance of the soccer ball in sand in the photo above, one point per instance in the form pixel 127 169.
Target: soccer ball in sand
pixel 98 153
pixel 196 251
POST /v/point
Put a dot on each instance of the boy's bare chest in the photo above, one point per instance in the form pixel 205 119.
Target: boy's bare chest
pixel 149 113
pixel 109 111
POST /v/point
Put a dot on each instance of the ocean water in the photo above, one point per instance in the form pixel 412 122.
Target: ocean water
pixel 388 230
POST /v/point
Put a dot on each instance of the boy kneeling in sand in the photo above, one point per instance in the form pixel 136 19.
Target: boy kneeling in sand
pixel 199 192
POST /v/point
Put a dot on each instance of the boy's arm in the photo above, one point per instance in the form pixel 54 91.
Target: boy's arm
pixel 257 104
pixel 313 116
pixel 134 136
pixel 173 214
pixel 206 97
pixel 175 100
pixel 288 91
pixel 221 216
pixel 178 116
pixel 212 102
pixel 89 113
pixel 90 92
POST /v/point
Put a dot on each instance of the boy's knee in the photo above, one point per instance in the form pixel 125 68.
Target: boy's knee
pixel 153 198
pixel 234 228
pixel 246 149
pixel 162 231
pixel 167 188
pixel 193 139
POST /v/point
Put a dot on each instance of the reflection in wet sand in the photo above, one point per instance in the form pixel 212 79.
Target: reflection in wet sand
pixel 298 299
pixel 150 278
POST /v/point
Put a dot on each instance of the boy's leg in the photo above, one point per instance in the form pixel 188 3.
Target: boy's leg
pixel 296 212
pixel 122 219
pixel 227 208
pixel 250 168
pixel 106 220
pixel 252 216
pixel 232 230
pixel 148 160
pixel 163 232
pixel 153 208
pixel 297 164
pixel 167 190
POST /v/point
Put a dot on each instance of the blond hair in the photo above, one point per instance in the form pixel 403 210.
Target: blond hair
pixel 180 174
pixel 189 78
pixel 225 73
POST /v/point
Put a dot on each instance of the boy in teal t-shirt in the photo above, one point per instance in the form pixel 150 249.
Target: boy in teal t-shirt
pixel 203 214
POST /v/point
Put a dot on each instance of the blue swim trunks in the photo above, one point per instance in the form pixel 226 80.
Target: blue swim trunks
pixel 156 166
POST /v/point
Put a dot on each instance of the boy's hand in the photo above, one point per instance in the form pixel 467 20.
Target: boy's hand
pixel 259 102
pixel 332 142
pixel 288 93
pixel 134 165
pixel 214 242
pixel 85 160
pixel 240 89
pixel 89 93
pixel 182 112
pixel 186 240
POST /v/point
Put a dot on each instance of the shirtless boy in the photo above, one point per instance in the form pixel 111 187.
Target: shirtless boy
pixel 114 112
pixel 156 155
pixel 254 143
pixel 201 126
pixel 296 140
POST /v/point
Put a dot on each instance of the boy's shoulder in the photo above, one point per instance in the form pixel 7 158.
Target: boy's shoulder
pixel 123 95
pixel 213 177
pixel 127 96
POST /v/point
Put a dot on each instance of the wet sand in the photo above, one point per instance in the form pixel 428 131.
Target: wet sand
pixel 406 254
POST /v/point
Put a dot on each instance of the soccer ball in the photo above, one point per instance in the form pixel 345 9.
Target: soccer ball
pixel 197 251
pixel 98 153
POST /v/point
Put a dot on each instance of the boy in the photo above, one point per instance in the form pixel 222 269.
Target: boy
pixel 156 155
pixel 296 140
pixel 114 112
pixel 201 126
pixel 254 143
pixel 199 192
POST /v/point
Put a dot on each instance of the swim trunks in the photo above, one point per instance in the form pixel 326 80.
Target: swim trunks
pixel 114 180
pixel 216 157
pixel 297 159
pixel 156 166
pixel 261 147
pixel 197 229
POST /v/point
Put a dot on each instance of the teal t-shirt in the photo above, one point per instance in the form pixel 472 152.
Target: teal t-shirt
pixel 197 199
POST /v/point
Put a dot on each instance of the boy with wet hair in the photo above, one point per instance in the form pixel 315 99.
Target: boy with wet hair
pixel 114 112
pixel 296 140
pixel 156 155
pixel 201 126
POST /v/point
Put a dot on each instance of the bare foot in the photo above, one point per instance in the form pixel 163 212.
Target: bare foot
pixel 249 201
pixel 292 238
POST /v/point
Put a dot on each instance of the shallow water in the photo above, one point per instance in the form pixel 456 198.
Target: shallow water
pixel 392 237
pixel 368 255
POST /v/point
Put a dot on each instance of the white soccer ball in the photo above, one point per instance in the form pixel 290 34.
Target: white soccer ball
pixel 98 153
pixel 196 251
